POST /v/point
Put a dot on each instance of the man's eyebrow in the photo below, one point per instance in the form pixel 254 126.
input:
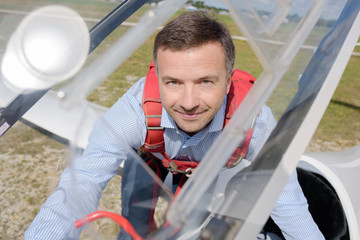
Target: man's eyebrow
pixel 169 78
pixel 207 77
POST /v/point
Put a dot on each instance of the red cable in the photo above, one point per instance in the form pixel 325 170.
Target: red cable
pixel 123 222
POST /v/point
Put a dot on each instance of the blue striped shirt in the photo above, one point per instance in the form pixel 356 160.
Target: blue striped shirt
pixel 82 183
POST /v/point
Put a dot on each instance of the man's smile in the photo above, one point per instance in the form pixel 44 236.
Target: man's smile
pixel 191 115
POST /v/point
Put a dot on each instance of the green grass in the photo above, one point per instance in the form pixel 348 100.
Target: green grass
pixel 20 140
pixel 342 117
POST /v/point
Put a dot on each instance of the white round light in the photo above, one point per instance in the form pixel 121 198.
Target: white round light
pixel 49 46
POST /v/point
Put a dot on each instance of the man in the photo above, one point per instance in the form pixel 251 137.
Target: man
pixel 194 58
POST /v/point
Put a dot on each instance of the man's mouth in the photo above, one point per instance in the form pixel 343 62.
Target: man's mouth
pixel 190 116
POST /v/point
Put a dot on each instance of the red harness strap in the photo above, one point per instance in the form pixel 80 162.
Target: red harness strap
pixel 152 107
pixel 120 220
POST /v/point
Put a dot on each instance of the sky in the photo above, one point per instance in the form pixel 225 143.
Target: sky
pixel 331 10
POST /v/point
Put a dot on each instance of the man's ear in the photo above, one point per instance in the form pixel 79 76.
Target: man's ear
pixel 228 81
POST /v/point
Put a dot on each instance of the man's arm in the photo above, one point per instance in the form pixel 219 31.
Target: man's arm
pixel 81 184
pixel 291 211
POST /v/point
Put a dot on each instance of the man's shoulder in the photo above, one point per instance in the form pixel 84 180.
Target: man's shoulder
pixel 137 88
pixel 133 95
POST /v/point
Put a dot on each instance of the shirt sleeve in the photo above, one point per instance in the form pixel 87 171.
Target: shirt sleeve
pixel 290 212
pixel 120 130
pixel 292 215
pixel 264 124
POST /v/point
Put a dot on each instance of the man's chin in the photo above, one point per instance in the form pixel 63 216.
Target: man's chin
pixel 191 128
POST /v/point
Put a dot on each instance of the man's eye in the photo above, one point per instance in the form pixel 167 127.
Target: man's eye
pixel 173 82
pixel 206 82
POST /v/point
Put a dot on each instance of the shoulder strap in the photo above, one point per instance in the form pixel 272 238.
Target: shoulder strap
pixel 151 103
pixel 240 85
pixel 154 141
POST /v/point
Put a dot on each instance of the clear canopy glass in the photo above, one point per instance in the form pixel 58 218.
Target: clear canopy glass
pixel 275 41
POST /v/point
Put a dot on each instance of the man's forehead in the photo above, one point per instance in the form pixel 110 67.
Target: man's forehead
pixel 188 48
pixel 211 52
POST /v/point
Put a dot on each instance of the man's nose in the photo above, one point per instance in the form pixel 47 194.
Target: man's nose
pixel 190 98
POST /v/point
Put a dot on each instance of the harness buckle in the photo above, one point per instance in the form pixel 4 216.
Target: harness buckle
pixel 173 166
pixel 175 170
pixel 151 124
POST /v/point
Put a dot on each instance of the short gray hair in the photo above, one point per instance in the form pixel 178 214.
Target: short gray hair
pixel 193 29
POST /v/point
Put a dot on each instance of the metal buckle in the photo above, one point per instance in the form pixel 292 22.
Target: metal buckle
pixel 174 169
pixel 153 128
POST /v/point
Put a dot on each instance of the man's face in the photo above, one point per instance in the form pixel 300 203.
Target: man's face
pixel 193 84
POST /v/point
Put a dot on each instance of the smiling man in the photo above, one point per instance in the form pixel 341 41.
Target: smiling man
pixel 194 59
pixel 192 96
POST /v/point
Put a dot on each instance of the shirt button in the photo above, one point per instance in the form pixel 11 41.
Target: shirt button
pixel 177 132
